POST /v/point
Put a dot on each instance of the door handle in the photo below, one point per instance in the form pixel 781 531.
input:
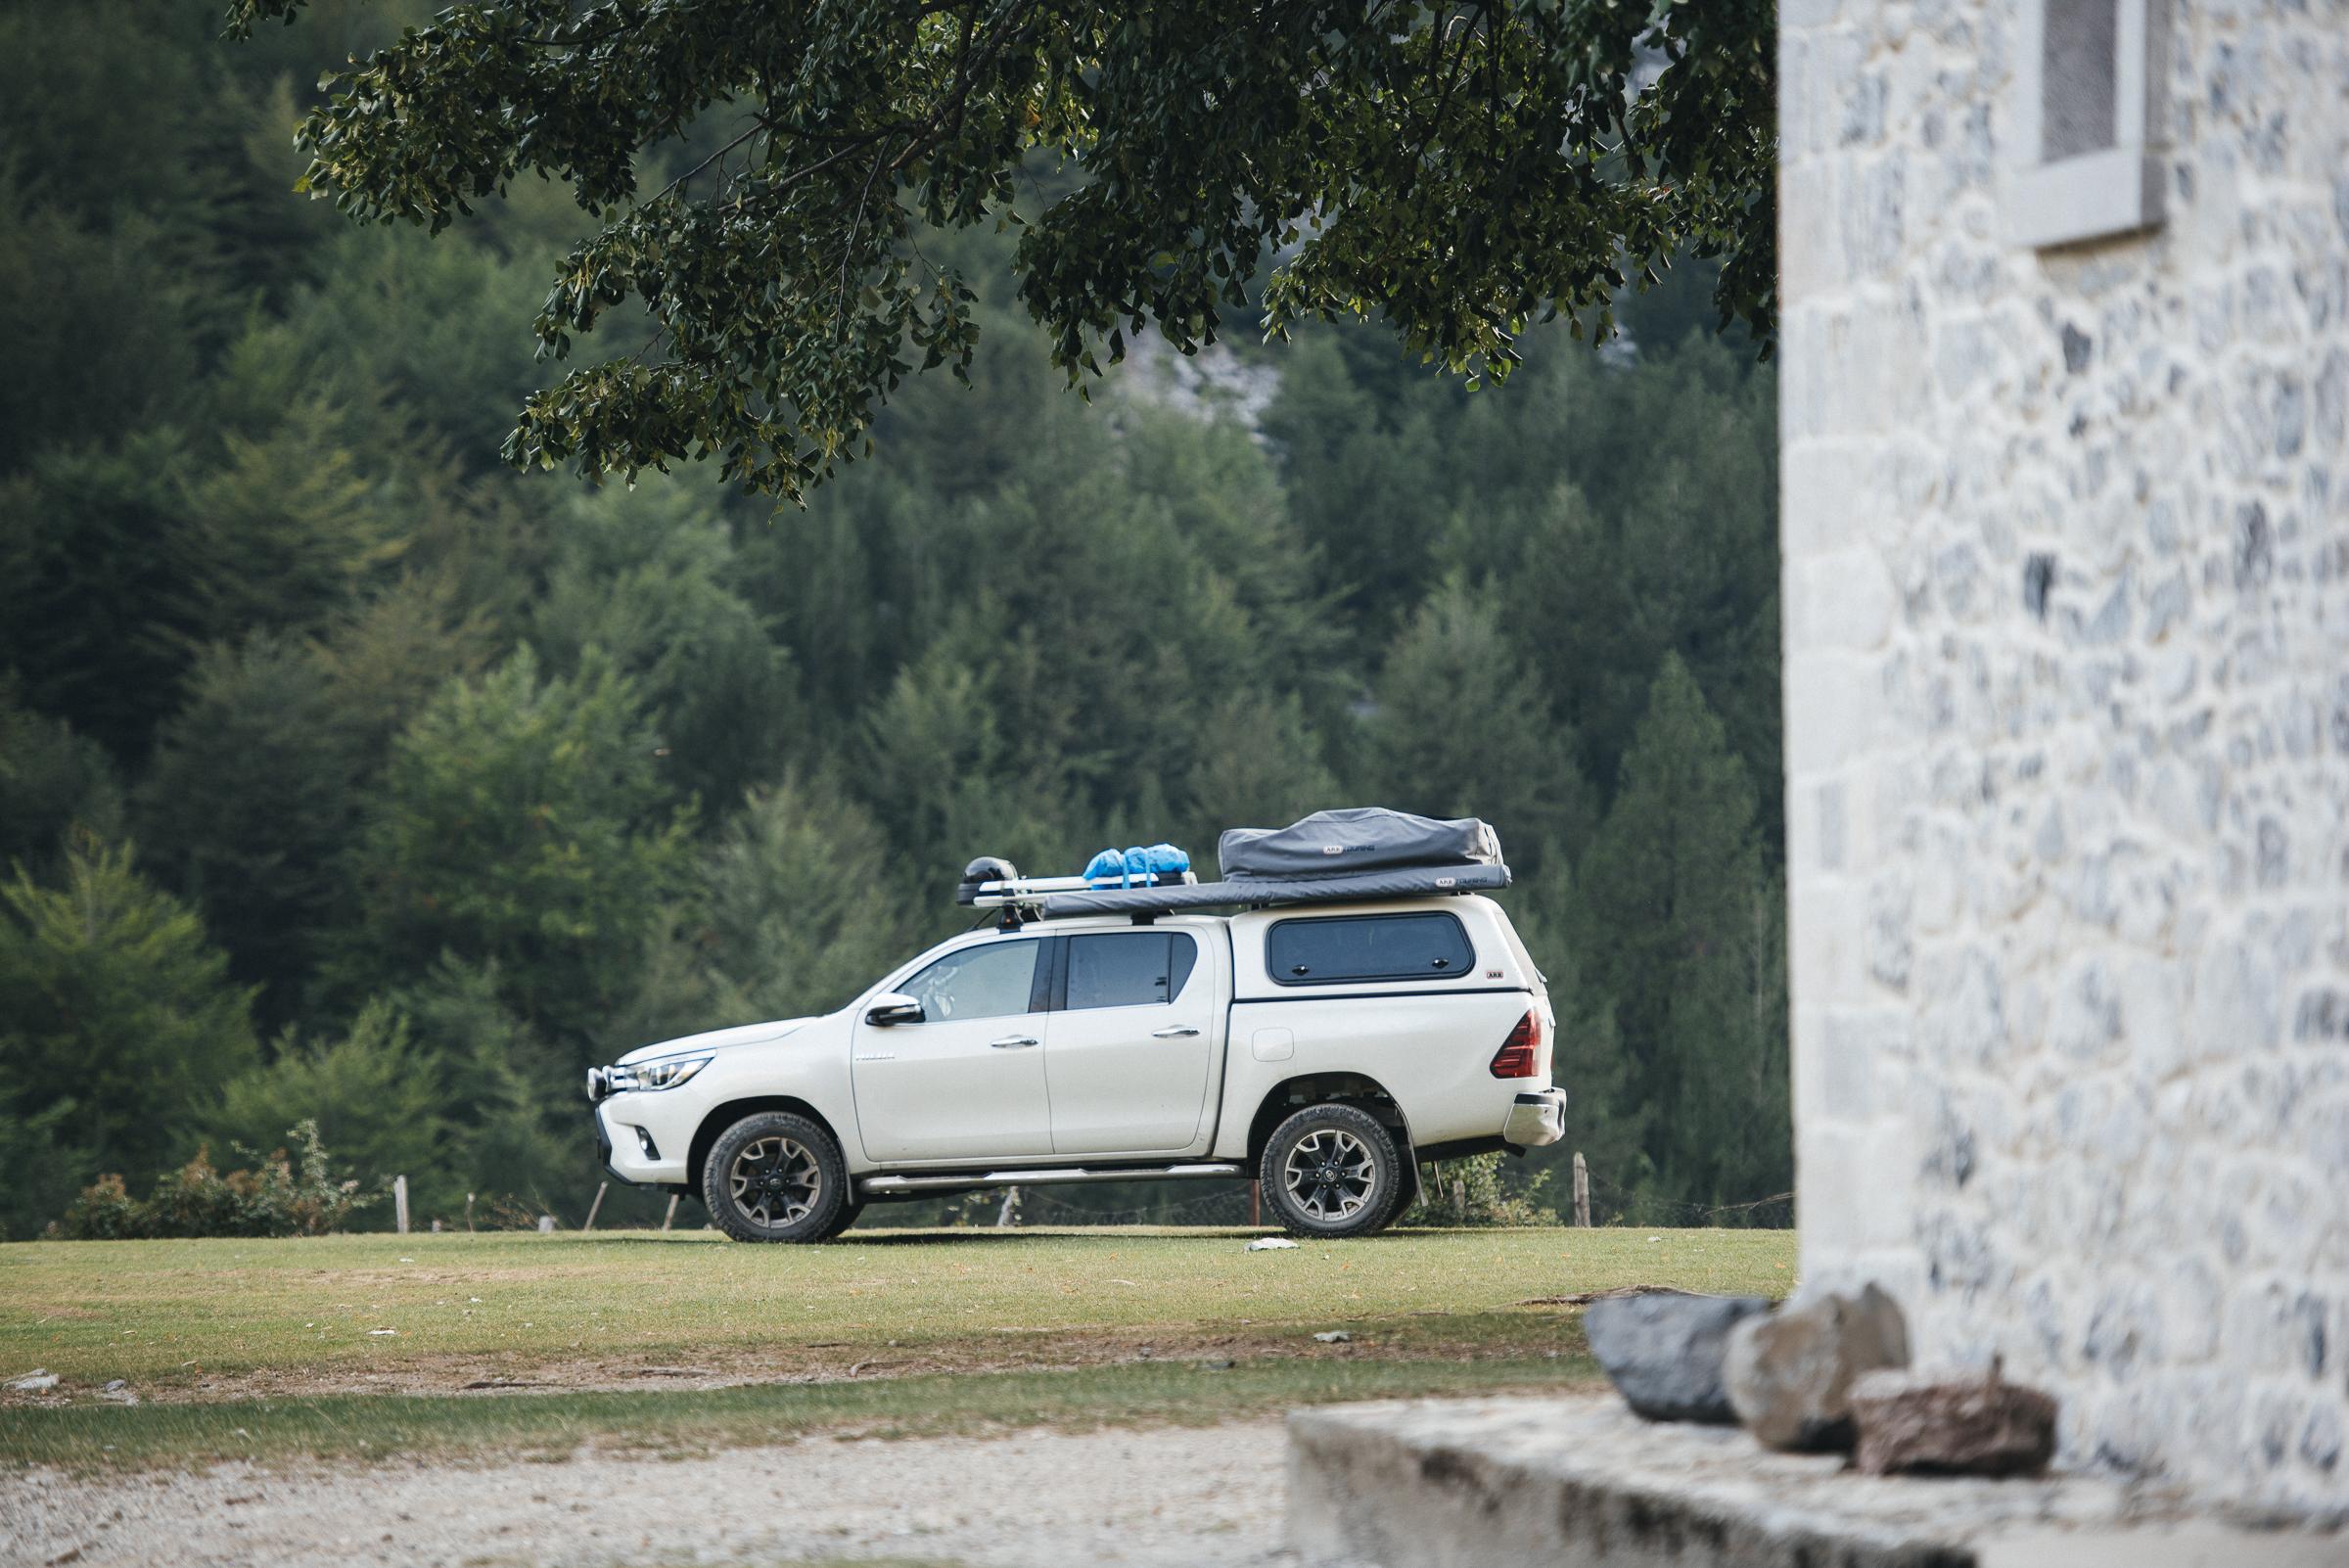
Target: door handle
pixel 1173 1031
pixel 1014 1042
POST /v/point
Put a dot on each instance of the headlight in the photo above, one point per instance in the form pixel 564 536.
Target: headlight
pixel 647 1076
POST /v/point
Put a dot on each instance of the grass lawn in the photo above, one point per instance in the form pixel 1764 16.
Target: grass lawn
pixel 680 1341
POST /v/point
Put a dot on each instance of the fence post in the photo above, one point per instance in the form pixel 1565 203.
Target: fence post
pixel 399 1201
pixel 1582 1191
pixel 600 1188
pixel 1256 1202
pixel 672 1210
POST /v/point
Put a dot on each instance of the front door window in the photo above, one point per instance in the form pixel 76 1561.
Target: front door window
pixel 976 982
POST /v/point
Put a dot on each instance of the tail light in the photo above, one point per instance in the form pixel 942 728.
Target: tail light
pixel 1517 1054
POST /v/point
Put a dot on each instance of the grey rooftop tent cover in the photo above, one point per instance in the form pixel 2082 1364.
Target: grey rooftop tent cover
pixel 1328 858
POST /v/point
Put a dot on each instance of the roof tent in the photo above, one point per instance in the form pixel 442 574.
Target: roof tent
pixel 1329 857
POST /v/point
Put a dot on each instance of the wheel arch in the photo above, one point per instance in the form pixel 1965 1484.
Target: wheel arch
pixel 718 1118
pixel 1294 1095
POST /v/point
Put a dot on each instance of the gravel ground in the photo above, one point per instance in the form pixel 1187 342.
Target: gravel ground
pixel 1196 1497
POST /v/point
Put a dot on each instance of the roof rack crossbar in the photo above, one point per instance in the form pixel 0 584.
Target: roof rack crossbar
pixel 1030 892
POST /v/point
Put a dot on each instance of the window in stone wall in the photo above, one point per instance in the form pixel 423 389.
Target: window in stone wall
pixel 2082 118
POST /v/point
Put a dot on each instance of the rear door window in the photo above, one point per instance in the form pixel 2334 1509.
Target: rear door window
pixel 1129 969
pixel 1397 947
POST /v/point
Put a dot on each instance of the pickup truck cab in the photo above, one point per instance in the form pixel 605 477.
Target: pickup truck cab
pixel 1322 1047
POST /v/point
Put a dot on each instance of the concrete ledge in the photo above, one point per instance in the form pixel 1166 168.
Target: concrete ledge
pixel 1583 1483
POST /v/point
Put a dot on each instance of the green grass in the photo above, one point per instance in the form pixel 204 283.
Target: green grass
pixel 266 1348
pixel 146 1310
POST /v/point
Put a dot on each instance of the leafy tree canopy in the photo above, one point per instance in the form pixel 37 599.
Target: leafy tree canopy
pixel 1460 171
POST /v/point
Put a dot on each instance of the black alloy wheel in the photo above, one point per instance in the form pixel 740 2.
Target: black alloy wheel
pixel 776 1177
pixel 1332 1170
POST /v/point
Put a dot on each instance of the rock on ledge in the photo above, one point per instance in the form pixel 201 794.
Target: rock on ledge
pixel 1664 1349
pixel 1584 1482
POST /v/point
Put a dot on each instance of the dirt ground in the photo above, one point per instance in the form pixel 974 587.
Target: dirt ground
pixel 726 1366
pixel 1190 1498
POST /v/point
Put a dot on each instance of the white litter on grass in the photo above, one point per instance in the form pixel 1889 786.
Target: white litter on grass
pixel 1269 1243
pixel 1336 1336
pixel 407 1259
pixel 34 1381
pixel 378 1333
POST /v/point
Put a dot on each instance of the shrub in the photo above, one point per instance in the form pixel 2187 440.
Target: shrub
pixel 105 1212
pixel 272 1199
pixel 1470 1192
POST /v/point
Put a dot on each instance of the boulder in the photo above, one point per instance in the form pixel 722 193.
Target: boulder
pixel 1925 1425
pixel 1664 1349
pixel 1789 1376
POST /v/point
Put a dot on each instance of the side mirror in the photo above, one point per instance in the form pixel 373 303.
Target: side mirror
pixel 894 1007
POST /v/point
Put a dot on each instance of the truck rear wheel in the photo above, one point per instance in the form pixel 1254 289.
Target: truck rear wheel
pixel 1332 1170
pixel 776 1177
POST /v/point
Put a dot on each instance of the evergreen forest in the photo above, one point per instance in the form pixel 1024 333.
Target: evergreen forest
pixel 349 775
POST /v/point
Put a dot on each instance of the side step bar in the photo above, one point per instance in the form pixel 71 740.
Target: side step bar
pixel 1062 1175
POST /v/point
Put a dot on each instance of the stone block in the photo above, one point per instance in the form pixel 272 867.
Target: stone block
pixel 1663 1350
pixel 1790 1374
pixel 1912 1424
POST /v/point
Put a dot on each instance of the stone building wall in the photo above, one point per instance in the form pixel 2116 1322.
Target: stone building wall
pixel 2067 732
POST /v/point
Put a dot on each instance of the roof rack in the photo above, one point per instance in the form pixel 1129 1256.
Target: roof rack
pixel 1400 881
pixel 1383 853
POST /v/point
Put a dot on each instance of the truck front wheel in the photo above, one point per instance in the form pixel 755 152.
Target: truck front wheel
pixel 1332 1170
pixel 776 1177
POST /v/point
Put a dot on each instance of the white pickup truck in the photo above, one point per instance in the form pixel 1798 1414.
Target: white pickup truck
pixel 1338 1030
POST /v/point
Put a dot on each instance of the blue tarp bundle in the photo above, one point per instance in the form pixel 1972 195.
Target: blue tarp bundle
pixel 1143 866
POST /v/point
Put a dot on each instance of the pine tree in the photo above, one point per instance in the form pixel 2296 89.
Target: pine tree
pixel 642 574
pixel 1462 729
pixel 52 780
pixel 112 998
pixel 513 1131
pixel 249 807
pixel 525 822
pixel 1675 924
pixel 379 1101
pixel 1261 767
pixel 799 904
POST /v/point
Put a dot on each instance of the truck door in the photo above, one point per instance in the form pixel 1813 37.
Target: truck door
pixel 967 1082
pixel 1129 1050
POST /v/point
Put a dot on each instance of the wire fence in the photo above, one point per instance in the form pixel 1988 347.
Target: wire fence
pixel 1614 1205
pixel 1228 1205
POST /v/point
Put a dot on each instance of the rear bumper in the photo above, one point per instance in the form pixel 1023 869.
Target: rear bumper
pixel 1537 1118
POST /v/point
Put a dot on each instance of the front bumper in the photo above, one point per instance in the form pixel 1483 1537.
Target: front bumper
pixel 1537 1117
pixel 622 1144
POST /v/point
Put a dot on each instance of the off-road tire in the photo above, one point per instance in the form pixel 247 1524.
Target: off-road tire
pixel 809 1186
pixel 1352 1143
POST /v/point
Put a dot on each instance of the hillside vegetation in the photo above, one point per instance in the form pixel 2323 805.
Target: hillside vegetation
pixel 347 774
